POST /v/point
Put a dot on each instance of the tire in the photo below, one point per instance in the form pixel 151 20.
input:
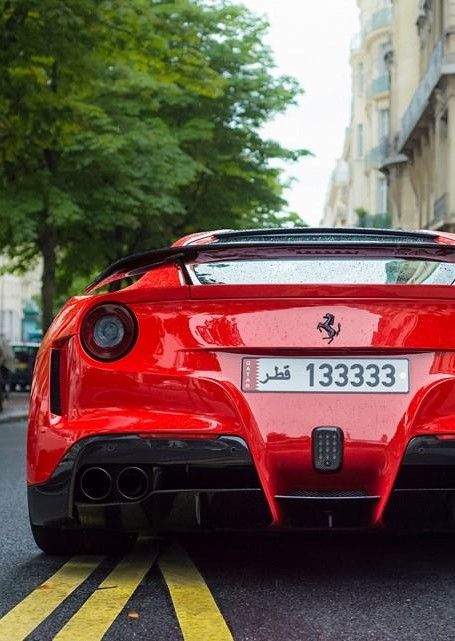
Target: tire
pixel 61 542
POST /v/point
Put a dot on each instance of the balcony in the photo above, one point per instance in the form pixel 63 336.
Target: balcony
pixel 421 99
pixel 379 20
pixel 379 85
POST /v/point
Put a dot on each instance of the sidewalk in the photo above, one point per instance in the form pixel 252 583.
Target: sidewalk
pixel 15 408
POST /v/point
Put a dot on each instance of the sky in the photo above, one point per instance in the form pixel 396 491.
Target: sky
pixel 311 41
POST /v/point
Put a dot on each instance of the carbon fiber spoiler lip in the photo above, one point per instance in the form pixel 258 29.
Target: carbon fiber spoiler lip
pixel 136 264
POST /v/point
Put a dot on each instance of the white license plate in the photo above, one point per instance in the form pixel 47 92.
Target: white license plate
pixel 340 375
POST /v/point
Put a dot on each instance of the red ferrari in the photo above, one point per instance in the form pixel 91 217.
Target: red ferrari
pixel 300 378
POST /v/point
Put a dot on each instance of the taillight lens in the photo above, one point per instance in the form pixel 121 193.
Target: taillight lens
pixel 108 332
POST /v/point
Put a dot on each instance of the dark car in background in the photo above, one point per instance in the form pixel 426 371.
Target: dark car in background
pixel 25 355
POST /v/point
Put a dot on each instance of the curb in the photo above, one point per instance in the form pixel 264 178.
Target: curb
pixel 15 418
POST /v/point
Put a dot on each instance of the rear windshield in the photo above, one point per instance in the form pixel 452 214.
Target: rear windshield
pixel 377 271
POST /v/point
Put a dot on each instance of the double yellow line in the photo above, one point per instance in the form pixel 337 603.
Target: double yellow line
pixel 195 608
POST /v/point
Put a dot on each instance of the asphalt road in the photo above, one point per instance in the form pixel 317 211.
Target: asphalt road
pixel 328 588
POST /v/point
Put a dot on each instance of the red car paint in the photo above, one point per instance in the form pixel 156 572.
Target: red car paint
pixel 183 376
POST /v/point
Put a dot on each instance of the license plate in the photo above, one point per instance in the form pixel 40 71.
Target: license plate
pixel 326 375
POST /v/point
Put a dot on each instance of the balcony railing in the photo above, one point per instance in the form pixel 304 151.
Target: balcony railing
pixel 422 96
pixel 379 85
pixel 381 18
pixel 376 156
pixel 373 158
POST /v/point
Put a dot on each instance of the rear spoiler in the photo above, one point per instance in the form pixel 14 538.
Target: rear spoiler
pixel 379 235
pixel 137 264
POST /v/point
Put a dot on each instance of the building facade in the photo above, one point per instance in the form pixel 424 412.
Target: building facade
pixel 336 204
pixel 366 198
pixel 419 162
pixel 17 293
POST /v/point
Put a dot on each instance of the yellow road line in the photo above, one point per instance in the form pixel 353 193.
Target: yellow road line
pixel 95 617
pixel 19 622
pixel 195 607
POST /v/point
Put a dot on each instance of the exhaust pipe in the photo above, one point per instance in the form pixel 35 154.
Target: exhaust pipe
pixel 96 483
pixel 133 483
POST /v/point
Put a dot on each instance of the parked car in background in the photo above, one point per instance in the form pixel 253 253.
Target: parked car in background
pixel 25 355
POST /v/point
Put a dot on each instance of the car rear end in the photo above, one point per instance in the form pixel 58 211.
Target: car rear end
pixel 299 379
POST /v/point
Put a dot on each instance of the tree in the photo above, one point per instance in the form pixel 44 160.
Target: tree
pixel 238 183
pixel 123 124
pixel 84 150
pixel 362 216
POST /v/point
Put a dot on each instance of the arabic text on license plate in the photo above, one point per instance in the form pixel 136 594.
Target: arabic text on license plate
pixel 366 375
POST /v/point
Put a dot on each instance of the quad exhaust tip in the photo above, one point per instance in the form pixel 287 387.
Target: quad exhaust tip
pixel 96 483
pixel 132 483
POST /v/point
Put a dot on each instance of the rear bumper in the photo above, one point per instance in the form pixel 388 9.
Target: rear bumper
pixel 212 484
pixel 192 484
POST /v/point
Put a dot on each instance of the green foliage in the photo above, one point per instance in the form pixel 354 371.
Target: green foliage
pixel 126 123
pixel 362 216
pixel 375 221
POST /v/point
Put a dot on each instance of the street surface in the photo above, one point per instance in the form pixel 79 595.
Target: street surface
pixel 328 588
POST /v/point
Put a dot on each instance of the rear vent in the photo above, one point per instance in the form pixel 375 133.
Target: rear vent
pixel 55 391
pixel 329 494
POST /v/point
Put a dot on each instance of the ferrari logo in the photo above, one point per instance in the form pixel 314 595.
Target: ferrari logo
pixel 327 326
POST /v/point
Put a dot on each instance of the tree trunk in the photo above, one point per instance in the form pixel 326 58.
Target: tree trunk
pixel 48 245
pixel 47 238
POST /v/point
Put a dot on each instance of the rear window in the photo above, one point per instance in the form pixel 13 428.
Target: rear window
pixel 374 271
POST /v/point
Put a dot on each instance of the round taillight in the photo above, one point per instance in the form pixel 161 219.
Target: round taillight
pixel 108 332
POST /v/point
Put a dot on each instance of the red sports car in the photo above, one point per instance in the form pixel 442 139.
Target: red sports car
pixel 300 378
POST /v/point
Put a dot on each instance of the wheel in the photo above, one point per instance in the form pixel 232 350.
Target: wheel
pixel 61 542
pixel 56 541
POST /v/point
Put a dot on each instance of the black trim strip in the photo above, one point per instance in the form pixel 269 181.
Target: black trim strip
pixel 55 388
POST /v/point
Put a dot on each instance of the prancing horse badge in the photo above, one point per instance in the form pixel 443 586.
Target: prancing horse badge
pixel 327 326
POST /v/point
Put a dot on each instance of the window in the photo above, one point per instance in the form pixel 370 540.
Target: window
pixel 360 77
pixel 381 65
pixel 360 141
pixel 382 195
pixel 383 124
pixel 440 17
pixel 335 271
